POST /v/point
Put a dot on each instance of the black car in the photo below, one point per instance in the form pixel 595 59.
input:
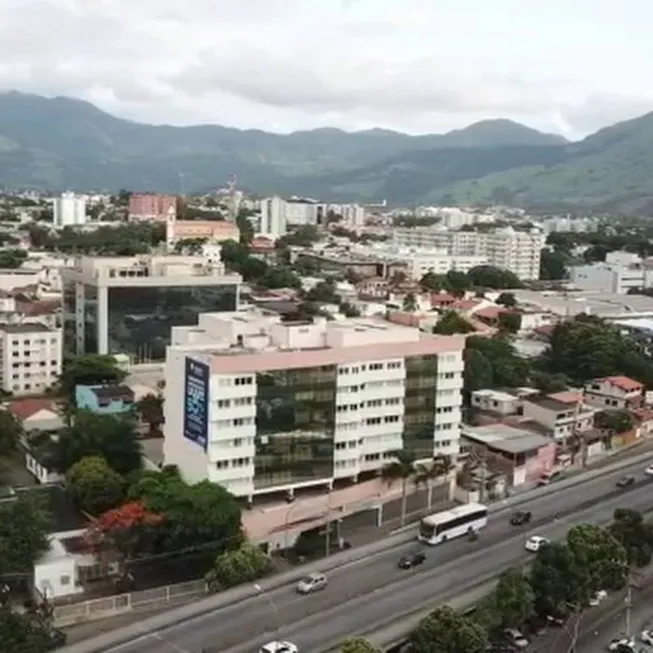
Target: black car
pixel 520 518
pixel 411 560
pixel 625 481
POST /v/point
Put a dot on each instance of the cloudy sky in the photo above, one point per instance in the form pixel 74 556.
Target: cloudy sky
pixel 570 66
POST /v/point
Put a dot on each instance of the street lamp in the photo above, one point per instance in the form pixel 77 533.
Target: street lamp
pixel 271 603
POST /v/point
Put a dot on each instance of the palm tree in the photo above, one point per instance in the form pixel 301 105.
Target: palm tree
pixel 402 468
pixel 427 472
pixel 150 408
pixel 410 303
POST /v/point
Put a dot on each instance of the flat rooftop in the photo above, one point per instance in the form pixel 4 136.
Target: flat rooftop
pixel 25 328
pixel 508 439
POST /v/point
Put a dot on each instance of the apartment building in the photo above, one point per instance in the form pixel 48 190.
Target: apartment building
pixel 260 405
pixel 614 393
pixel 619 273
pixel 69 210
pixel 152 206
pixel 505 248
pixel 30 358
pixel 128 304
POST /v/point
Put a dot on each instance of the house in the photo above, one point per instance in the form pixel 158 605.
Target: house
pixel 496 401
pixel 522 455
pixel 614 393
pixel 104 399
pixel 36 415
pixel 563 414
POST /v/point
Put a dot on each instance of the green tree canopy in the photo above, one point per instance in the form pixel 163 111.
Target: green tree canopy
pixel 112 437
pixel 634 534
pixel 514 600
pixel 553 264
pixel 280 276
pixel 11 431
pixel 614 421
pixel 150 409
pixel 507 299
pixel 450 323
pixel 447 631
pixel 245 227
pixel 357 645
pixel 488 276
pixel 304 236
pixel 94 486
pixel 509 322
pixel 23 633
pixel 242 565
pixel 24 526
pixel 90 369
pixel 508 368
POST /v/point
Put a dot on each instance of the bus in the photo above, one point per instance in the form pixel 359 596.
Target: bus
pixel 445 525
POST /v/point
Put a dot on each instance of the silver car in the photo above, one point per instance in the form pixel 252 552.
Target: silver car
pixel 312 583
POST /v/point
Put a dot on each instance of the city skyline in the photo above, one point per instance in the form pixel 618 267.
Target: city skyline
pixel 354 64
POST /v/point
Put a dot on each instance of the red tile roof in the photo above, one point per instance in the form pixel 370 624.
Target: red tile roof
pixel 466 304
pixel 43 307
pixel 624 383
pixel 643 414
pixel 490 312
pixel 24 408
pixel 566 396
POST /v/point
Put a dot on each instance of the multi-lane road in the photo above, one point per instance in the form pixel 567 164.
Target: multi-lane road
pixel 374 592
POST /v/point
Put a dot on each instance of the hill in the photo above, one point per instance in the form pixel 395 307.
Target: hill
pixel 62 143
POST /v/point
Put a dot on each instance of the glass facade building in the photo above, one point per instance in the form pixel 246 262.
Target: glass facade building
pixel 419 404
pixel 295 426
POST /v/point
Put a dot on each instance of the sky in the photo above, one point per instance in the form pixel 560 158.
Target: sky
pixel 418 66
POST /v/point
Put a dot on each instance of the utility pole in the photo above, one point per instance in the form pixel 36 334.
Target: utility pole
pixel 327 539
pixel 629 607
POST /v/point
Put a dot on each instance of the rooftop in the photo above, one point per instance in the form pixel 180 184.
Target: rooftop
pixel 497 395
pixel 550 403
pixel 25 328
pixel 112 391
pixel 506 438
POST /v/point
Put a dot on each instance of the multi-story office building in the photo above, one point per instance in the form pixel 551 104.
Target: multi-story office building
pixel 517 251
pixel 69 210
pixel 30 357
pixel 619 273
pixel 128 304
pixel 152 206
pixel 260 405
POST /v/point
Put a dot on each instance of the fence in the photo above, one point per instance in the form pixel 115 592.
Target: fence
pixel 110 606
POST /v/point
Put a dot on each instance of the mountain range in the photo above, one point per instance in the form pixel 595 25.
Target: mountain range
pixel 63 143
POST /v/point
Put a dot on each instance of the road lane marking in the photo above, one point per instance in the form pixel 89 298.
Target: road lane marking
pixel 172 645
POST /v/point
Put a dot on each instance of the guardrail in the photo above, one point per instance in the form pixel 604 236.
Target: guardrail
pixel 215 602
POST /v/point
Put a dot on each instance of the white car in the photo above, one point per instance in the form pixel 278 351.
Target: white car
pixel 625 642
pixel 279 647
pixel 647 637
pixel 312 583
pixel 649 470
pixel 534 543
pixel 600 596
pixel 515 637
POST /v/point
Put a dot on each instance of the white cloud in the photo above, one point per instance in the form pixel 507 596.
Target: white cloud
pixel 415 65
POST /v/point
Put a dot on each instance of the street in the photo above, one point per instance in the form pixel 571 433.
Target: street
pixel 373 591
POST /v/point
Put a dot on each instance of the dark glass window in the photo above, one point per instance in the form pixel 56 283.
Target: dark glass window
pixel 90 319
pixel 140 318
pixel 419 404
pixel 69 319
pixel 295 424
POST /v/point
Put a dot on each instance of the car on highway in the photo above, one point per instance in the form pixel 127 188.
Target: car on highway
pixel 647 637
pixel 649 470
pixel 279 647
pixel 625 481
pixel 549 477
pixel 312 583
pixel 411 560
pixel 534 543
pixel 620 643
pixel 520 518
pixel 515 638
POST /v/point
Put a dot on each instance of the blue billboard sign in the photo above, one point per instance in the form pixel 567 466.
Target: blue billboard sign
pixel 196 402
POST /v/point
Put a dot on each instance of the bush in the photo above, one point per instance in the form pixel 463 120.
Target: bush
pixel 236 567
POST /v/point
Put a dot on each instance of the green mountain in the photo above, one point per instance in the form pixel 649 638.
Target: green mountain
pixel 61 143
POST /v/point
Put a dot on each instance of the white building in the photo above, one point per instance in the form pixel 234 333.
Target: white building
pixel 128 304
pixel 31 356
pixel 274 223
pixel 569 225
pixel 516 251
pixel 69 210
pixel 614 393
pixel 621 272
pixel 259 405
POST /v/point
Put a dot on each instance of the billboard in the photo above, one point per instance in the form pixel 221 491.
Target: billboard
pixel 196 402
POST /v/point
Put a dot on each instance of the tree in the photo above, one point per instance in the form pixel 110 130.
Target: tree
pixel 11 432
pixel 245 227
pixel 90 369
pixel 410 303
pixel 446 631
pixel 634 534
pixel 426 472
pixel 349 310
pixel 452 322
pixel 24 527
pixel 402 468
pixel 112 437
pixel 614 421
pixel 280 277
pixel 23 633
pixel 433 282
pixel 549 383
pixel 488 276
pixel 150 408
pixel 357 645
pixel 509 322
pixel 599 556
pixel 94 486
pixel 324 292
pixel 479 374
pixel 514 599
pixel 509 370
pixel 242 565
pixel 457 282
pixel 507 299
pixel 553 264
pixel 304 236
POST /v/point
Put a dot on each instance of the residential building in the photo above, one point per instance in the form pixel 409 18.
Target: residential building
pixel 569 225
pixel 562 414
pixel 213 231
pixel 496 401
pixel 619 273
pixel 31 356
pixel 69 210
pixel 104 399
pixel 516 251
pixel 127 305
pixel 614 393
pixel 152 206
pixel 260 405
pixel 274 222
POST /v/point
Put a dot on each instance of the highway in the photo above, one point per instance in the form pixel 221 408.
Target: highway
pixel 374 591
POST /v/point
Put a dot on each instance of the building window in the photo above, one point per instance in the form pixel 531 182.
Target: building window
pixel 65 580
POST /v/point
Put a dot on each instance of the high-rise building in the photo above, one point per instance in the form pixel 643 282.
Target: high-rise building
pixel 151 206
pixel 128 304
pixel 69 210
pixel 273 217
pixel 260 405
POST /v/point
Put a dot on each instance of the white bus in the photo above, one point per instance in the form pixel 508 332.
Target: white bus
pixel 458 521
